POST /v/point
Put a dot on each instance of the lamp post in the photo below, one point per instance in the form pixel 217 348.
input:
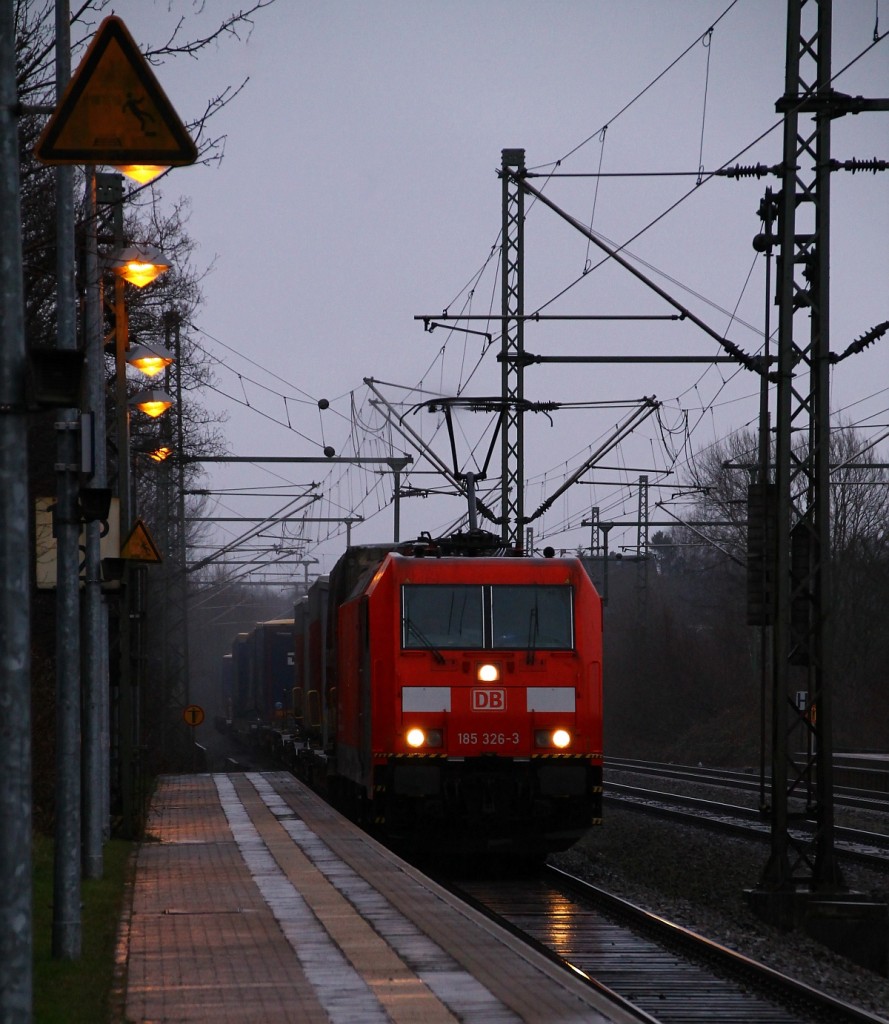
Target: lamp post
pixel 171 649
pixel 131 265
pixel 174 327
pixel 95 760
pixel 66 922
pixel 67 521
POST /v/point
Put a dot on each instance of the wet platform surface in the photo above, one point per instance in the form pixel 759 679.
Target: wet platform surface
pixel 254 901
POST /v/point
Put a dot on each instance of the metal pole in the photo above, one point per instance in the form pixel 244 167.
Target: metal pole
pixel 15 669
pixel 66 938
pixel 182 534
pixel 799 864
pixel 827 876
pixel 605 527
pixel 594 531
pixel 162 614
pixel 512 484
pixel 642 553
pixel 109 194
pixel 397 505
pixel 95 653
pixel 397 464
pixel 769 212
pixel 127 711
pixel 179 684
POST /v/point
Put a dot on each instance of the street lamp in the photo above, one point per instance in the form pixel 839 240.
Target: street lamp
pixel 153 402
pixel 155 448
pixel 143 173
pixel 140 264
pixel 149 359
pixel 161 453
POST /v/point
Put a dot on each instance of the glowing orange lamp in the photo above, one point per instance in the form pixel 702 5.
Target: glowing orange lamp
pixel 143 173
pixel 140 264
pixel 150 359
pixel 153 402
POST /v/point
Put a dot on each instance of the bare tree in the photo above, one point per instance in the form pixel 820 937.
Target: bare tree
pixel 35 49
pixel 859 595
pixel 148 219
pixel 684 681
pixel 35 79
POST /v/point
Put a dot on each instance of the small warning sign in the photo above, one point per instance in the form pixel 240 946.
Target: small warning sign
pixel 139 547
pixel 193 715
pixel 114 110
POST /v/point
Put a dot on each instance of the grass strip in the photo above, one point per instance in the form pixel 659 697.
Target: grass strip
pixel 78 991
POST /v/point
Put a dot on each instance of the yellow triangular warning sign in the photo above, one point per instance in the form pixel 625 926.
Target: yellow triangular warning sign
pixel 114 110
pixel 139 547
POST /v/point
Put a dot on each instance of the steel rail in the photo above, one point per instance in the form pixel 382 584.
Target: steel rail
pixel 870 848
pixel 668 972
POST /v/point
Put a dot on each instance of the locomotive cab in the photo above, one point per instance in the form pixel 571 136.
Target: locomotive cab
pixel 469 705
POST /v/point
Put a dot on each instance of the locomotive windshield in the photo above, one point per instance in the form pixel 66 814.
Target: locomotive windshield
pixel 536 617
pixel 442 616
pixel 499 616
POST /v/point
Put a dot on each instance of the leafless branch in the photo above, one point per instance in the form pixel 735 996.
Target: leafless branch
pixel 239 25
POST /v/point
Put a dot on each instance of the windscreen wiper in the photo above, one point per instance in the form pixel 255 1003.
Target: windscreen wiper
pixel 424 640
pixel 533 631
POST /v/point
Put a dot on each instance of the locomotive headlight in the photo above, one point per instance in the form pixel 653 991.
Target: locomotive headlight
pixel 417 737
pixel 561 738
pixel 488 673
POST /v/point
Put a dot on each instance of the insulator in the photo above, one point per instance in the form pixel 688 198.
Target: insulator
pixel 748 171
pixel 860 344
pixel 873 165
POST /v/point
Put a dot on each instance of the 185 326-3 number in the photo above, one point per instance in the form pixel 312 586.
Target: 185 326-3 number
pixel 488 739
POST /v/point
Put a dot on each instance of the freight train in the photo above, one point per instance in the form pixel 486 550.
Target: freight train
pixel 444 696
pixel 257 683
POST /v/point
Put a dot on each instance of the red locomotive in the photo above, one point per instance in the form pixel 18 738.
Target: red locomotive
pixel 453 699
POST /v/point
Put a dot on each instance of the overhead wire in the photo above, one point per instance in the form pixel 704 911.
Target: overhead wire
pixel 355 420
pixel 707 41
pixel 646 89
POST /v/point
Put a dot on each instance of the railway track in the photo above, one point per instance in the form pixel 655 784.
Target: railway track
pixel 868 847
pixel 854 798
pixel 666 972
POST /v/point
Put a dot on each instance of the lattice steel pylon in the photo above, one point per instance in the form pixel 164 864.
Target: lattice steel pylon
pixel 642 552
pixel 512 485
pixel 802 748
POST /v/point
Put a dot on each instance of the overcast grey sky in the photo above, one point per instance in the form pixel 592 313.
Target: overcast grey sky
pixel 359 189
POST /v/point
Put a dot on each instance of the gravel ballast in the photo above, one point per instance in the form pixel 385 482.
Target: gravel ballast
pixel 698 878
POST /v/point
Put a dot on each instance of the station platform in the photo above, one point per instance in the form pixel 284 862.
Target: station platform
pixel 254 901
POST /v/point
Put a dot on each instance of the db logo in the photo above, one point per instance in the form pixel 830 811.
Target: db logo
pixel 489 700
